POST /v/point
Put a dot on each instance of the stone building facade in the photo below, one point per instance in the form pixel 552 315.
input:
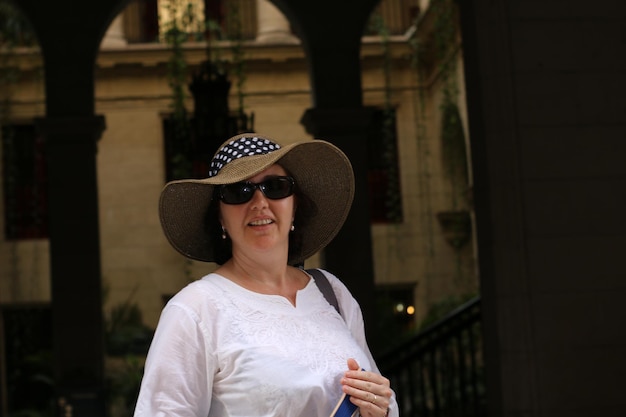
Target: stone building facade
pixel 414 258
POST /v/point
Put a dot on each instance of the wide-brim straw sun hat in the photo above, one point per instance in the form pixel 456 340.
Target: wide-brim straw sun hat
pixel 321 171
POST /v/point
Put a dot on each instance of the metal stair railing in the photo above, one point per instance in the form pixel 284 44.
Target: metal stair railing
pixel 440 372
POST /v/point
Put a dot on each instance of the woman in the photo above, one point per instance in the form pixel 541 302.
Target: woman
pixel 257 337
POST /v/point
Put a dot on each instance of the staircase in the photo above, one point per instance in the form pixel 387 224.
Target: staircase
pixel 440 372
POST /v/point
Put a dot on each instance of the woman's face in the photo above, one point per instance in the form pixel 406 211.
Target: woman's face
pixel 261 224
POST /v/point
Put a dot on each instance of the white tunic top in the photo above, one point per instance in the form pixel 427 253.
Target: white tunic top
pixel 222 350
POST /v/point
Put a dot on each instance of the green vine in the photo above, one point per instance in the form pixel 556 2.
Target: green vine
pixel 393 201
pixel 453 151
pixel 234 35
pixel 215 32
pixel 416 61
pixel 176 33
pixel 238 66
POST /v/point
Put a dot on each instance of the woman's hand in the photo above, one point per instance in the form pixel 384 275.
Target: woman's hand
pixel 368 390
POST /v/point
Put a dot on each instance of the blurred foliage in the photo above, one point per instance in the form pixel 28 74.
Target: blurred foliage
pixel 127 340
pixel 123 379
pixel 29 365
pixel 15 29
pixel 125 332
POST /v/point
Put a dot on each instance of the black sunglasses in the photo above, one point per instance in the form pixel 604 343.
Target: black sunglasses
pixel 273 188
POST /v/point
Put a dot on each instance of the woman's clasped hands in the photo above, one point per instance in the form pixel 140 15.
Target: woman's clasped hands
pixel 368 390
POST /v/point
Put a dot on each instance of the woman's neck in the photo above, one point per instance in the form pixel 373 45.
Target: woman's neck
pixel 265 278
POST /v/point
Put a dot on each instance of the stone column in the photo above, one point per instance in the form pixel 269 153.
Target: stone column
pixel 76 287
pixel 349 255
pixel 272 25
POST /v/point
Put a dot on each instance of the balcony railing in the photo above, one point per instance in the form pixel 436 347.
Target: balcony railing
pixel 440 372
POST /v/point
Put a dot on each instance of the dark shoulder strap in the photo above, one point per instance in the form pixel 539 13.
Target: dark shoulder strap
pixel 327 290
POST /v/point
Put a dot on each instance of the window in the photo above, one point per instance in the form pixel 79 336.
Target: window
pixel 383 180
pixel 25 183
pixel 141 21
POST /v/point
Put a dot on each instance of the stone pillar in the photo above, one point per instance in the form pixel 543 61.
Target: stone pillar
pixel 349 255
pixel 115 37
pixel 272 25
pixel 76 288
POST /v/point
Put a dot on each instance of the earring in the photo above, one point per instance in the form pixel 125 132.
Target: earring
pixel 293 227
pixel 223 233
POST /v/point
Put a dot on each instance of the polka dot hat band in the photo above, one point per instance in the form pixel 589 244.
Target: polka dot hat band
pixel 235 149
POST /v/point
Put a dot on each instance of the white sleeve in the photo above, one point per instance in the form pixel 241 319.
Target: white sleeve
pixel 353 316
pixel 178 375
